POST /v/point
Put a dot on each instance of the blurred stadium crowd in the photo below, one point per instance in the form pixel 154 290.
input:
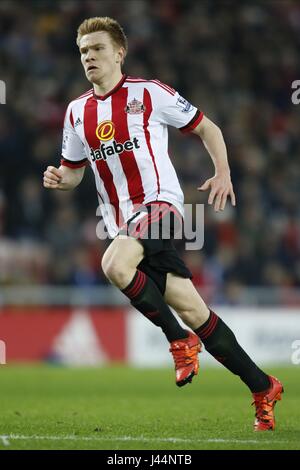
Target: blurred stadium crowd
pixel 234 60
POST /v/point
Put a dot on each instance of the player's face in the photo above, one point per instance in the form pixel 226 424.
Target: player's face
pixel 99 56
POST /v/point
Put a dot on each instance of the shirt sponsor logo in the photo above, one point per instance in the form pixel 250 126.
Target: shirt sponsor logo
pixel 105 131
pixel 184 104
pixel 135 107
pixel 105 151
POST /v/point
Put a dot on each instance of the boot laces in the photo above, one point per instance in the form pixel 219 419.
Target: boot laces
pixel 264 409
pixel 184 355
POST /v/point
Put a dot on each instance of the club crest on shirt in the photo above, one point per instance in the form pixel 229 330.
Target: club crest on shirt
pixel 135 107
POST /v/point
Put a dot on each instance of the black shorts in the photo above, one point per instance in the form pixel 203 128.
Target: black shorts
pixel 155 225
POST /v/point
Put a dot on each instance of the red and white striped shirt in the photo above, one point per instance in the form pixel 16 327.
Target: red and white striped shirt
pixel 123 135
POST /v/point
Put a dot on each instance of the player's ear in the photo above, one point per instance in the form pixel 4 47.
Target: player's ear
pixel 120 56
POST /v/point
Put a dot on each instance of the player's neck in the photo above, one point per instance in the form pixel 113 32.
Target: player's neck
pixel 107 83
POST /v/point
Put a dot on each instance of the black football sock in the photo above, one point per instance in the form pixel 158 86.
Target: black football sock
pixel 146 297
pixel 221 343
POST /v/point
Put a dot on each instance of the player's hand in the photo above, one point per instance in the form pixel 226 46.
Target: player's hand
pixel 220 187
pixel 52 177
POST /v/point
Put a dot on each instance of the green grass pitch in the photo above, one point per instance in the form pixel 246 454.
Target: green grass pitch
pixel 118 407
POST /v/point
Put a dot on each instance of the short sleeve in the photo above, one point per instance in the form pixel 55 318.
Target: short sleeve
pixel 174 110
pixel 73 153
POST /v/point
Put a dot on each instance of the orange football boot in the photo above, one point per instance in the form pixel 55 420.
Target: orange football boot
pixel 185 354
pixel 264 403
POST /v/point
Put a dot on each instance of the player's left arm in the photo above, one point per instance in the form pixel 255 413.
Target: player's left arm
pixel 220 185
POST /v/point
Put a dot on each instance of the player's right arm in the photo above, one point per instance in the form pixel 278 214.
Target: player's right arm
pixel 73 162
pixel 63 178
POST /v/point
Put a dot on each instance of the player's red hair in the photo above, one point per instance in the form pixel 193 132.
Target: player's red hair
pixel 103 23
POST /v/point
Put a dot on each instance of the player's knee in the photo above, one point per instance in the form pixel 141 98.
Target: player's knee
pixel 194 317
pixel 187 317
pixel 115 271
pixel 113 266
pixel 105 263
